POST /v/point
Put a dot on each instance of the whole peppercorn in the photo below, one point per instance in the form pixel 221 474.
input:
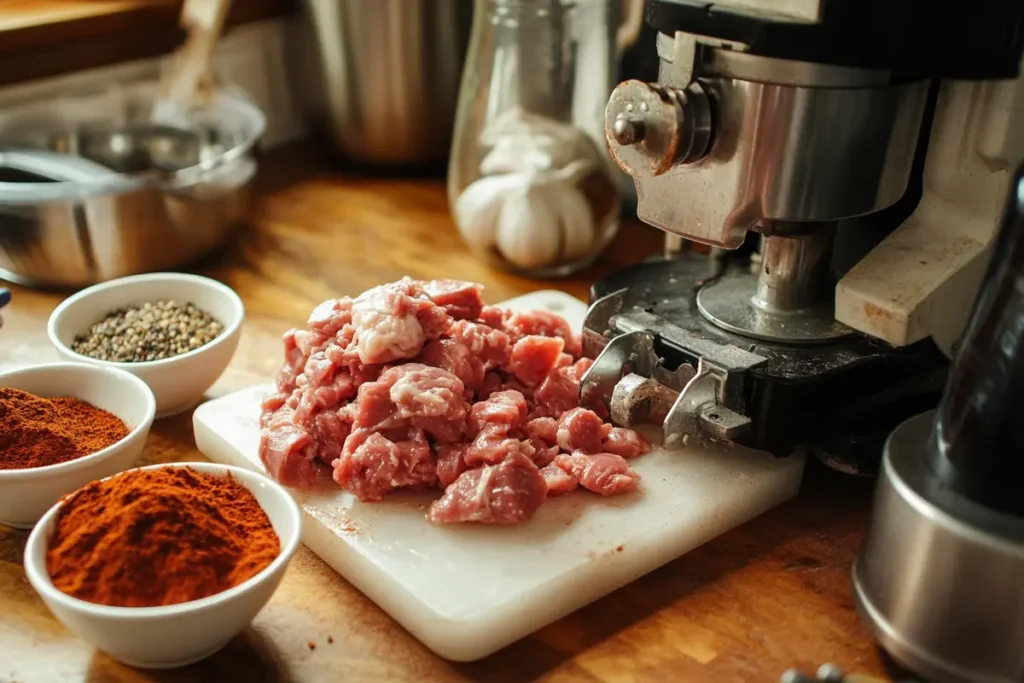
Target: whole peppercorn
pixel 152 331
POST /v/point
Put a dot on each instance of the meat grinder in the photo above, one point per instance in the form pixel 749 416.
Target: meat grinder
pixel 846 161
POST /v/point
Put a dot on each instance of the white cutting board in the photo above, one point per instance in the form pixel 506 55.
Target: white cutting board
pixel 466 591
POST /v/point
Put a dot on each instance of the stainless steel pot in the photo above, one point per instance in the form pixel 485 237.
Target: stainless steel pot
pixel 380 78
pixel 91 190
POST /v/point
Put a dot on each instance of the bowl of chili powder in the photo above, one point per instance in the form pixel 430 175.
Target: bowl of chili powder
pixel 63 425
pixel 162 566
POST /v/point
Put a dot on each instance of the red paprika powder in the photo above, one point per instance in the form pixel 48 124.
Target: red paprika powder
pixel 145 538
pixel 35 432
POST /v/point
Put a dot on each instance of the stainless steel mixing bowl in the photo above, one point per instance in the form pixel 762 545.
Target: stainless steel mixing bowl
pixel 155 197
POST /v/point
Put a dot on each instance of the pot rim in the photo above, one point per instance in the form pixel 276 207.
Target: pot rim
pixel 238 107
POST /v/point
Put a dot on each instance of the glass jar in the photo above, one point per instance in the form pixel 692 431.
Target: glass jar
pixel 530 183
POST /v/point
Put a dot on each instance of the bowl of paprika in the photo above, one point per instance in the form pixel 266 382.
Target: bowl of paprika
pixel 177 332
pixel 63 425
pixel 162 566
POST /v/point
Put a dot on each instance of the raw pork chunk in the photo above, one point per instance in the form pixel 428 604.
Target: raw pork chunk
pixel 624 442
pixel 419 385
pixel 373 465
pixel 604 473
pixel 462 300
pixel 580 429
pixel 558 480
pixel 393 321
pixel 506 493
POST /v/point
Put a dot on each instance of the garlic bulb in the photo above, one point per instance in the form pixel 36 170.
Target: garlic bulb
pixel 577 225
pixel 520 140
pixel 528 205
pixel 477 211
pixel 533 218
pixel 528 227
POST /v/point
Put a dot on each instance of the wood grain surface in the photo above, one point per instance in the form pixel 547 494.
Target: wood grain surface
pixel 770 595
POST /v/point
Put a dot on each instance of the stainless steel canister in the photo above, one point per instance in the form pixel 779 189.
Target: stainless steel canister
pixel 380 78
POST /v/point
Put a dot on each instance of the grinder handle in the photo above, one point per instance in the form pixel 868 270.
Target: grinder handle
pixel 977 445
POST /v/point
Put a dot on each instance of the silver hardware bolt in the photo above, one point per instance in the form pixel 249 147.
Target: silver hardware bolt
pixel 628 131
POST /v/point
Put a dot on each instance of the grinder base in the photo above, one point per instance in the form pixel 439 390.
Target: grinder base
pixel 836 400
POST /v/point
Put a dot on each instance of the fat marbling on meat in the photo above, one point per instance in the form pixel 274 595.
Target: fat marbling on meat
pixel 604 473
pixel 508 492
pixel 419 385
pixel 393 321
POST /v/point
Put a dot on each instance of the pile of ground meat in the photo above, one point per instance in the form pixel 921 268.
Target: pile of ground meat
pixel 419 385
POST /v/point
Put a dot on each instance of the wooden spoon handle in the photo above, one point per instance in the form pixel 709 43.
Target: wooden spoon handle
pixel 190 64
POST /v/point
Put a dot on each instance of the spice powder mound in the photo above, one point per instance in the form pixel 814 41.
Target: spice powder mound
pixel 36 432
pixel 147 538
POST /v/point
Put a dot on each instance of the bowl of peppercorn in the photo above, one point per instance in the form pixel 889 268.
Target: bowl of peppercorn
pixel 162 566
pixel 63 425
pixel 175 331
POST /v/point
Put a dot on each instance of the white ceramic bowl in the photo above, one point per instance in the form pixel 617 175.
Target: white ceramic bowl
pixel 26 494
pixel 176 635
pixel 178 382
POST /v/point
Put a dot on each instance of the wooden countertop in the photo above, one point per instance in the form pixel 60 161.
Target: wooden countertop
pixel 746 606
